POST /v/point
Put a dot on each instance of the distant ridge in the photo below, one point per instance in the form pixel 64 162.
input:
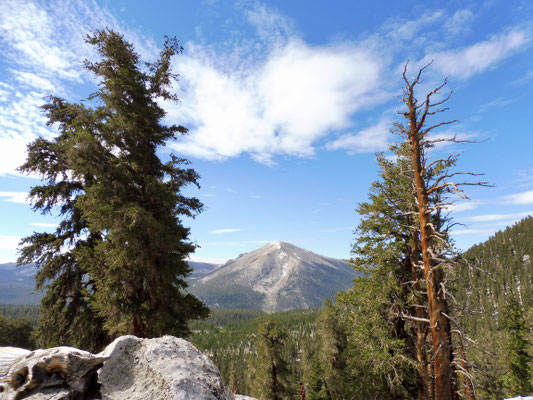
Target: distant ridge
pixel 17 284
pixel 278 276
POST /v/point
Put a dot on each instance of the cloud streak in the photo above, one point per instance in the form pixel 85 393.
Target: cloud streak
pixel 499 217
pixel 15 197
pixel 226 230
pixel 472 60
pixel 522 198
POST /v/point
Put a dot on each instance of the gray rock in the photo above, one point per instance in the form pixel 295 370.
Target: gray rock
pixel 59 373
pixel 159 369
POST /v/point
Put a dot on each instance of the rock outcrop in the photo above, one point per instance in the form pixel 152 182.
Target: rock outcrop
pixel 59 373
pixel 162 368
pixel 130 368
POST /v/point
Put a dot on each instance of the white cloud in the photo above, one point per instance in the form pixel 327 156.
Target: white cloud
pixel 8 242
pixel 282 105
pixel 519 198
pixel 477 58
pixel 43 225
pixel 459 22
pixel 476 232
pixel 209 195
pixel 43 45
pixel 465 206
pixel 227 230
pixel 209 260
pixel 407 30
pixel 499 217
pixel 272 27
pixel 373 138
pixel 255 196
pixel 15 197
pixel 238 244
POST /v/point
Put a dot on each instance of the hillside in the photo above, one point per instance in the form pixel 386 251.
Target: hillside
pixel 492 273
pixel 229 337
pixel 17 285
pixel 493 269
pixel 278 276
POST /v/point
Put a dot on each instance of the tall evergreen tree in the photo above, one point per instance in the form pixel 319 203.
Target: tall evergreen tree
pixel 126 247
pixel 436 182
pixel 331 352
pixel 518 380
pixel 385 308
pixel 271 370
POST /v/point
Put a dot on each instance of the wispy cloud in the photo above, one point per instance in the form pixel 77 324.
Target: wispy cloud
pixel 239 243
pixel 464 206
pixel 519 198
pixel 466 62
pixel 43 225
pixel 15 197
pixel 459 22
pixel 499 217
pixel 9 242
pixel 226 230
pixel 497 103
pixel 43 45
pixel 209 195
pixel 373 138
pixel 474 231
pixel 255 196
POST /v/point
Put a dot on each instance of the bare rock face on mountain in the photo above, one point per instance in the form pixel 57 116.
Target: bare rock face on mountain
pixel 276 277
pixel 133 369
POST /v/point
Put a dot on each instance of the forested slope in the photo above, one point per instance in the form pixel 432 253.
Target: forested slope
pixel 494 269
pixel 495 276
pixel 229 338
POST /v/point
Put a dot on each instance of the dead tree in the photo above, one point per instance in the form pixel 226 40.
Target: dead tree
pixel 434 184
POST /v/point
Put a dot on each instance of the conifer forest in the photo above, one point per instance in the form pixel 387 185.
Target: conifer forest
pixel 422 319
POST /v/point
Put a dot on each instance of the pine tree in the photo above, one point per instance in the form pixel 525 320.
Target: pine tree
pixel 66 313
pixel 385 311
pixel 518 378
pixel 313 373
pixel 435 185
pixel 271 367
pixel 125 264
pixel 333 343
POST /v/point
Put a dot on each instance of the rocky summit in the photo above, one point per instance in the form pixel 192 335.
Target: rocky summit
pixel 278 276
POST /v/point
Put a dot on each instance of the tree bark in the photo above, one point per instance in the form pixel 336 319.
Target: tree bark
pixel 437 306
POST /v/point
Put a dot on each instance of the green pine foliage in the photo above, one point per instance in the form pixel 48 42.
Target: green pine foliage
pixel 381 349
pixel 117 262
pixel 15 311
pixel 229 338
pixel 16 332
pixel 495 275
pixel 270 368
pixel 517 381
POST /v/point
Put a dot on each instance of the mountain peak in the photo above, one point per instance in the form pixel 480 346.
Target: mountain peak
pixel 277 276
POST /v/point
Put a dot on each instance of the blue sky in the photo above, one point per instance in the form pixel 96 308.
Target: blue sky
pixel 286 102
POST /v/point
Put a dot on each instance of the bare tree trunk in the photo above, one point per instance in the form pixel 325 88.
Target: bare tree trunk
pixel 437 306
pixel 468 387
pixel 420 327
